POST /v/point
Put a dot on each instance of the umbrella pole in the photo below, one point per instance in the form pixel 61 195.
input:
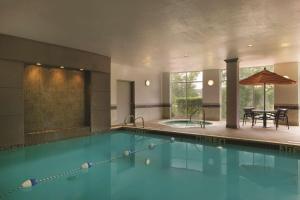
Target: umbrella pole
pixel 265 114
pixel 264 97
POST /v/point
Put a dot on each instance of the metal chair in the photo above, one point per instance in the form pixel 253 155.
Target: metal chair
pixel 282 115
pixel 248 113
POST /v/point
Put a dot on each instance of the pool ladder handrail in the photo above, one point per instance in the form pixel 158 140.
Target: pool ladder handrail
pixel 203 116
pixel 143 121
pixel 134 120
pixel 202 125
pixel 192 114
pixel 128 117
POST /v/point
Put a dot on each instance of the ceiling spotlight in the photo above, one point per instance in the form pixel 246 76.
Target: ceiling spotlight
pixel 250 45
pixel 286 76
pixel 62 67
pixel 285 44
pixel 38 64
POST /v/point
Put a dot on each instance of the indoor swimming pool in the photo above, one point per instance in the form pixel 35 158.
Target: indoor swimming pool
pixel 125 165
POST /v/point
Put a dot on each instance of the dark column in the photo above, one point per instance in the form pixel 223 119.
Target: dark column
pixel 166 97
pixel 232 94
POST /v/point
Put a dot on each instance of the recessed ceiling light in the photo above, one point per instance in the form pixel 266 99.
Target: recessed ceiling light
pixel 285 44
pixel 250 45
pixel 38 64
pixel 286 76
pixel 61 67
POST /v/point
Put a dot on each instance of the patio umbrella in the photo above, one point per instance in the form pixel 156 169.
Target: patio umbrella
pixel 266 77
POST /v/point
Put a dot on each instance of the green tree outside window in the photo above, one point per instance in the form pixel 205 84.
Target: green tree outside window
pixel 186 93
pixel 250 96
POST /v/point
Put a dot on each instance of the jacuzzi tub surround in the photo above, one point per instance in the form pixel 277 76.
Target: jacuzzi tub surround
pixel 185 123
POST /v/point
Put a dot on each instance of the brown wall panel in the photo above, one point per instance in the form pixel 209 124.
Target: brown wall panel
pixel 11 103
pixel 29 51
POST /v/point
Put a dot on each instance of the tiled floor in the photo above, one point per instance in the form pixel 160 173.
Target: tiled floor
pixel 257 133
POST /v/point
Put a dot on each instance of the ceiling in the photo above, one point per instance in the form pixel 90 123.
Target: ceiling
pixel 173 35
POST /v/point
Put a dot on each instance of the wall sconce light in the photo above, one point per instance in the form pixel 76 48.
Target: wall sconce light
pixel 147 83
pixel 210 82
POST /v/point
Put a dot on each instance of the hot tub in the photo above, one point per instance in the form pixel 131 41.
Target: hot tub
pixel 184 123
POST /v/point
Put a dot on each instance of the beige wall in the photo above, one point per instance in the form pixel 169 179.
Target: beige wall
pixel 288 95
pixel 211 94
pixel 144 96
pixel 16 52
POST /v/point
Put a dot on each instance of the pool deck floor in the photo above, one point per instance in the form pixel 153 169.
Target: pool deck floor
pixel 257 133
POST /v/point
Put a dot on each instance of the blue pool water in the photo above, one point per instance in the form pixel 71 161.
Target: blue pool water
pixel 179 170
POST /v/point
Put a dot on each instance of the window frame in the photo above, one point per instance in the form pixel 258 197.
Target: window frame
pixel 185 82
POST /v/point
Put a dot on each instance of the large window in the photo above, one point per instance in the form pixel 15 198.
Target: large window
pixel 186 93
pixel 250 96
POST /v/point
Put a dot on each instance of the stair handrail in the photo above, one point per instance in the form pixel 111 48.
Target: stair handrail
pixel 142 118
pixel 202 125
pixel 203 116
pixel 128 117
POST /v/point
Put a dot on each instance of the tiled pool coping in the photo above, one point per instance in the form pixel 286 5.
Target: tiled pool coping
pixel 219 140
